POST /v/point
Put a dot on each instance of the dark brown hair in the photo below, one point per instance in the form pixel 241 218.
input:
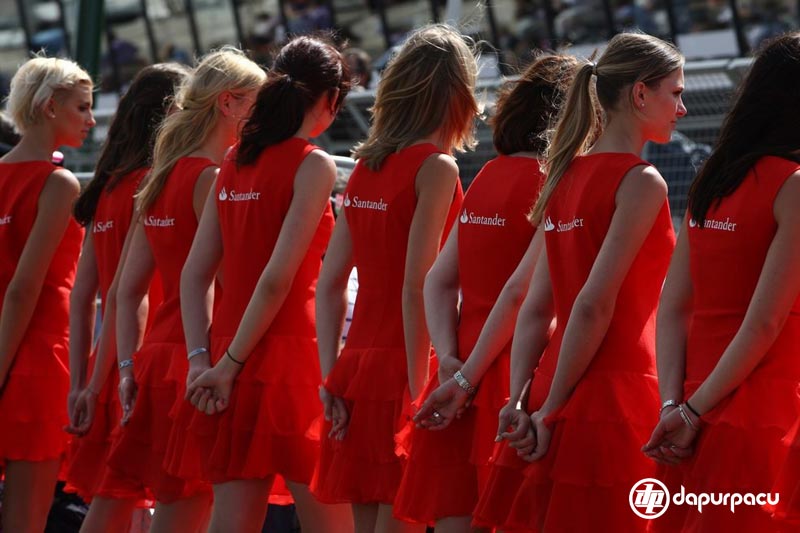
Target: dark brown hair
pixel 304 70
pixel 131 136
pixel 526 106
pixel 763 121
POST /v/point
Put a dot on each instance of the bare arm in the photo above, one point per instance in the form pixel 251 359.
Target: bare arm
pixel 105 343
pixel 312 187
pixel 441 293
pixel 22 293
pixel 777 290
pixel 331 302
pixel 82 310
pixel 435 184
pixel 640 197
pixel 672 326
pixel 500 324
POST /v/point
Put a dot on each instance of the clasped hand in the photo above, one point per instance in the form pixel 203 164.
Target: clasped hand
pixel 672 440
pixel 209 388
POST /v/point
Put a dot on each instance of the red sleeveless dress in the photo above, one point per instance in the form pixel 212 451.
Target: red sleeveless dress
pixel 137 453
pixel 739 448
pixel 371 372
pixel 788 483
pixel 109 228
pixel 275 397
pixel 33 412
pixel 595 457
pixel 493 235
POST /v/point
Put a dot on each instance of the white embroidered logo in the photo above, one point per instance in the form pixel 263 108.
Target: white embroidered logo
pixel 561 227
pixel 156 222
pixel 102 227
pixel 380 205
pixel 710 223
pixel 480 220
pixel 238 196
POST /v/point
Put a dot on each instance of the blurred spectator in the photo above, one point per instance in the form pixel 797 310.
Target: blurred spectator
pixel 360 66
pixel 8 134
pixel 264 39
pixel 122 59
pixel 172 52
pixel 308 16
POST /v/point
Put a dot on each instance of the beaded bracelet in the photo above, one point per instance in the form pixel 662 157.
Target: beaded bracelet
pixel 668 403
pixel 464 383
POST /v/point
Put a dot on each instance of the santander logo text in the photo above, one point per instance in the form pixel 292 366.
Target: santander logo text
pixel 710 223
pixel 472 218
pixel 102 227
pixel 234 196
pixel 5 220
pixel 356 202
pixel 562 226
pixel 155 222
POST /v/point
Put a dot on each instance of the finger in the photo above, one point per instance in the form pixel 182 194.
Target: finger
pixel 656 438
pixel 200 399
pixel 528 441
pixel 426 411
pixel 221 404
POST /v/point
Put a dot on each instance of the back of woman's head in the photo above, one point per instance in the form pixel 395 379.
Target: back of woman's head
pixel 428 86
pixel 131 135
pixel 527 106
pixel 628 59
pixel 306 69
pixel 37 81
pixel 197 113
pixel 763 121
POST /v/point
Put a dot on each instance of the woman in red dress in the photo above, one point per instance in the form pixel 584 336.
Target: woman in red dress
pixel 51 105
pixel 401 199
pixel 106 207
pixel 492 238
pixel 729 322
pixel 191 142
pixel 608 239
pixel 265 229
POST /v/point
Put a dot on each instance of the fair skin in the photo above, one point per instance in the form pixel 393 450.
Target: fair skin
pixel 775 293
pixel 639 198
pixel 435 185
pixel 442 315
pixel 190 514
pixel 83 397
pixel 441 312
pixel 65 120
pixel 240 505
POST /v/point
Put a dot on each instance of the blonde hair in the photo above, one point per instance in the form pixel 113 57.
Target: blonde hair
pixel 37 81
pixel 428 85
pixel 185 130
pixel 629 58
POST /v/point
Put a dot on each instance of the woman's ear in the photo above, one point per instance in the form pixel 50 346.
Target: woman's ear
pixel 638 95
pixel 333 98
pixel 50 108
pixel 224 103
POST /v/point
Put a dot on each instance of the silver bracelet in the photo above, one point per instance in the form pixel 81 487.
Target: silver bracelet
pixel 686 419
pixel 668 403
pixel 125 363
pixel 464 383
pixel 196 351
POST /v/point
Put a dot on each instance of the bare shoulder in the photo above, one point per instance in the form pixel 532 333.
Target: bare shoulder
pixel 642 182
pixel 439 165
pixel 788 197
pixel 62 182
pixel 316 165
pixel 208 174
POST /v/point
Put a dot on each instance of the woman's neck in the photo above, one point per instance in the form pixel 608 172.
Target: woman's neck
pixel 620 135
pixel 216 144
pixel 36 145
